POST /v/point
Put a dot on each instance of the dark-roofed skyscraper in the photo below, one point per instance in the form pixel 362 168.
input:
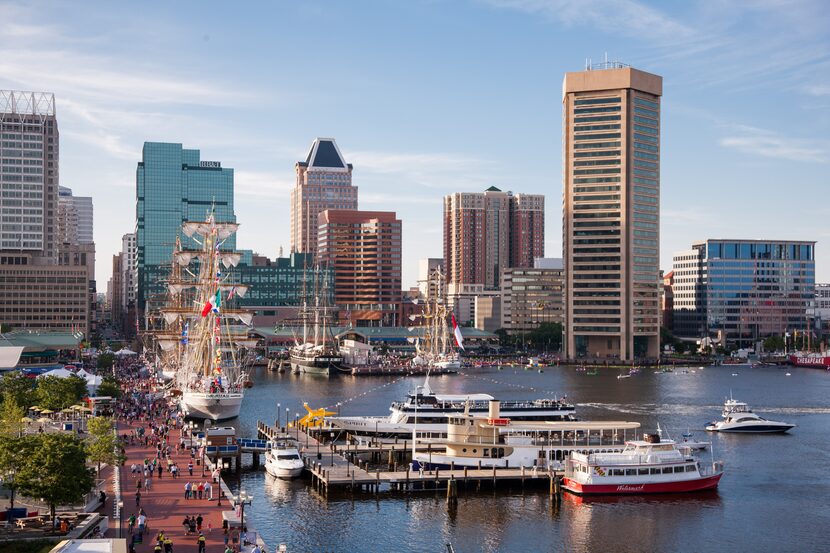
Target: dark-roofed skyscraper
pixel 324 181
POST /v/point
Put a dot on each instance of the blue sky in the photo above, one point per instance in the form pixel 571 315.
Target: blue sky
pixel 431 97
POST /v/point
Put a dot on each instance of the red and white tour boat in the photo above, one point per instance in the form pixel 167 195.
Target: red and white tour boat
pixel 645 466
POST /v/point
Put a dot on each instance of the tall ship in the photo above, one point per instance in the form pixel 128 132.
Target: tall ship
pixel 317 352
pixel 205 337
pixel 439 347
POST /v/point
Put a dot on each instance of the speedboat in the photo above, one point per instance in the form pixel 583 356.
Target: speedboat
pixel 651 465
pixel 738 417
pixel 690 442
pixel 283 459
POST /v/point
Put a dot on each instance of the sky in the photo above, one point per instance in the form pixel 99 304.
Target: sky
pixel 431 97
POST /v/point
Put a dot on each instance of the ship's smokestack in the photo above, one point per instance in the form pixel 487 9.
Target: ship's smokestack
pixel 494 409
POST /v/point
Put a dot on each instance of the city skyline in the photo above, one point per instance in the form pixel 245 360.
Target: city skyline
pixel 420 115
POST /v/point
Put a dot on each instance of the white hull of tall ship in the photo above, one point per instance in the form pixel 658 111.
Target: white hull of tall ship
pixel 213 406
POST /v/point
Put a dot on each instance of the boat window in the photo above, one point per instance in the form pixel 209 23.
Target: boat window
pixel 642 471
pixel 678 468
pixel 690 468
pixel 631 472
pixel 464 450
pixel 501 452
pixel 287 457
pixel 655 471
pixel 486 452
pixel 667 470
pixel 617 472
pixel 475 451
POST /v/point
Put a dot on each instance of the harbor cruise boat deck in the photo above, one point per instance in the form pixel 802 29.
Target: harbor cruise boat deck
pixel 644 466
pixel 492 440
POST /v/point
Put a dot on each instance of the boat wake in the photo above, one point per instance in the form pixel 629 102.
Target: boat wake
pixel 679 409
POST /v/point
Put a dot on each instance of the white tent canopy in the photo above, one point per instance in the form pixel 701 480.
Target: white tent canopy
pixel 124 352
pixel 60 373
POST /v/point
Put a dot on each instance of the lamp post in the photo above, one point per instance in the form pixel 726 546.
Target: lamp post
pixel 331 435
pixel 296 425
pixel 279 415
pixel 120 516
pixel 243 499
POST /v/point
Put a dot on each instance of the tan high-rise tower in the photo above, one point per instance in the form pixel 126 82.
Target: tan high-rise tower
pixel 611 219
pixel 324 181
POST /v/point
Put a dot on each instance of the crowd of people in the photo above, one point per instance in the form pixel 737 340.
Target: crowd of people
pixel 148 421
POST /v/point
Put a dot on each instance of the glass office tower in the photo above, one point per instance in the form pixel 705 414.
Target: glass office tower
pixel 743 290
pixel 174 185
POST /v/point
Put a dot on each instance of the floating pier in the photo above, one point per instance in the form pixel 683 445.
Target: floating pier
pixel 374 467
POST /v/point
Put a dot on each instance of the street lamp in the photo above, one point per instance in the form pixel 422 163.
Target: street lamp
pixel 296 425
pixel 279 413
pixel 243 499
pixel 120 516
pixel 331 435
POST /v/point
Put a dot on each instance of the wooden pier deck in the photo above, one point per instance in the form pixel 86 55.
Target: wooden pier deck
pixel 385 467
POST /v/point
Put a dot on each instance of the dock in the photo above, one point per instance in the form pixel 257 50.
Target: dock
pixel 398 370
pixel 375 467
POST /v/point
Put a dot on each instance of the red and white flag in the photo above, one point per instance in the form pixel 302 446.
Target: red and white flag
pixel 459 340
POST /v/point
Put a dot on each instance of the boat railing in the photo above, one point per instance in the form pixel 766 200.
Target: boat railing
pixel 711 470
pixel 617 459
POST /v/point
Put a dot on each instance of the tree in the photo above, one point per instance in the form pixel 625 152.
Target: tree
pixel 109 387
pixel 106 360
pixel 546 336
pixel 774 343
pixel 14 454
pixel 55 470
pixel 102 444
pixel 20 387
pixel 59 393
pixel 11 417
pixel 12 445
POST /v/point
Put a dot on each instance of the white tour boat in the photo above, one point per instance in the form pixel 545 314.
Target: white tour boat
pixel 428 412
pixel 283 459
pixel 493 440
pixel 644 466
pixel 738 417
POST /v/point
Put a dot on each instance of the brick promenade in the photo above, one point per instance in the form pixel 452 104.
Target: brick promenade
pixel 164 504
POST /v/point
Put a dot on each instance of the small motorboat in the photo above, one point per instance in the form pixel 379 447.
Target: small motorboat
pixel 738 417
pixel 690 442
pixel 283 459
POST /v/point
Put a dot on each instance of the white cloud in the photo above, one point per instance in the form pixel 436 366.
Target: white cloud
pixel 755 141
pixel 626 17
pixel 262 184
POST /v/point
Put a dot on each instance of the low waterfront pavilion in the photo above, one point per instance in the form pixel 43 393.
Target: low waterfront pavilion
pixel 25 349
pixel 395 337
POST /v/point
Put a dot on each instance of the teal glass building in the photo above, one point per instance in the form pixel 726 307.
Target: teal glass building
pixel 173 185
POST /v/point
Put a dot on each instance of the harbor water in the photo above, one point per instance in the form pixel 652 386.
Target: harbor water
pixel 773 496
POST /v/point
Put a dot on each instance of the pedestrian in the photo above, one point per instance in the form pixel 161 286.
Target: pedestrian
pixel 138 498
pixel 235 537
pixel 200 490
pixel 168 545
pixel 201 542
pixel 131 523
pixel 186 525
pixel 159 467
pixel 138 484
pixel 187 491
pixel 199 521
pixel 225 534
pixel 190 468
pixel 147 484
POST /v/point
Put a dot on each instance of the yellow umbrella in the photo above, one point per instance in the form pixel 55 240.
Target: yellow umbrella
pixel 34 408
pixel 26 419
pixel 46 412
pixel 44 419
pixel 84 408
pixel 68 410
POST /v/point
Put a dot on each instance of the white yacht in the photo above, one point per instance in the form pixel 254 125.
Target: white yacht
pixel 738 417
pixel 427 412
pixel 283 459
pixel 491 440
